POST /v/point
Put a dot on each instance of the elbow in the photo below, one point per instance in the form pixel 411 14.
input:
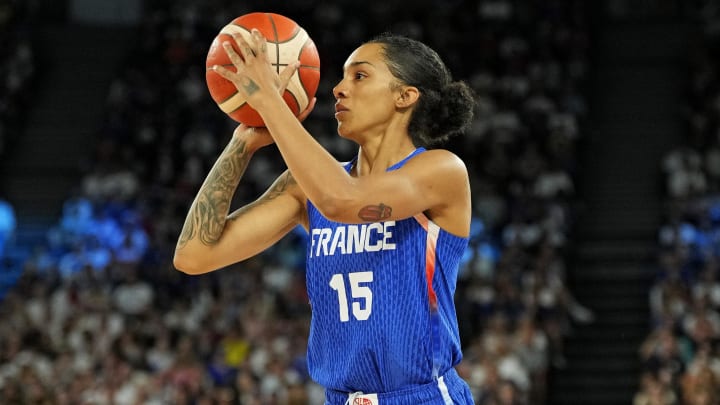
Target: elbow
pixel 335 200
pixel 186 264
pixel 332 207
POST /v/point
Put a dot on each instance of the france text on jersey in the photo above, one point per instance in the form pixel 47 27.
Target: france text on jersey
pixel 348 239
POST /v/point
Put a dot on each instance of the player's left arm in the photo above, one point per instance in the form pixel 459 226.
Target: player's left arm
pixel 435 182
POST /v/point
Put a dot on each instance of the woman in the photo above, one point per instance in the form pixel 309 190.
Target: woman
pixel 387 230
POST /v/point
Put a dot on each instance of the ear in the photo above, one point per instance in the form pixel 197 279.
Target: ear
pixel 407 96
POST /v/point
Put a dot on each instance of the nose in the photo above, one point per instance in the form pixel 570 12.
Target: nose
pixel 339 91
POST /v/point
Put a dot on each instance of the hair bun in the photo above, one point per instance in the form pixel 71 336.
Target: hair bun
pixel 447 113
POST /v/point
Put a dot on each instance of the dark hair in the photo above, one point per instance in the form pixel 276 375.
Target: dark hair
pixel 445 107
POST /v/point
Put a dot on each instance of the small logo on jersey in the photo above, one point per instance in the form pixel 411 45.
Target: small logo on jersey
pixel 364 399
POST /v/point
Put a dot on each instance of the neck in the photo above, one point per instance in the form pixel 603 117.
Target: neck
pixel 377 158
pixel 381 148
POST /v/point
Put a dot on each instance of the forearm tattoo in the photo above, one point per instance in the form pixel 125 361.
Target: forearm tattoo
pixel 373 213
pixel 279 187
pixel 208 212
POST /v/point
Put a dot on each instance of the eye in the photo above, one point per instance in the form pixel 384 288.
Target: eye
pixel 359 75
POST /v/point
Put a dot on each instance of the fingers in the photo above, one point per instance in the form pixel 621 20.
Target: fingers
pixel 234 57
pixel 249 76
pixel 254 46
pixel 287 73
pixel 224 72
pixel 260 43
pixel 248 50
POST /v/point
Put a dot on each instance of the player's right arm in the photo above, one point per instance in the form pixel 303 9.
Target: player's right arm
pixel 211 238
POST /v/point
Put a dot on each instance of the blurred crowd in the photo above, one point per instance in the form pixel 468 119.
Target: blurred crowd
pixel 17 70
pixel 681 354
pixel 17 78
pixel 101 316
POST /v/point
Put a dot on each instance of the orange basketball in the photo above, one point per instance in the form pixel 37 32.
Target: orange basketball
pixel 287 42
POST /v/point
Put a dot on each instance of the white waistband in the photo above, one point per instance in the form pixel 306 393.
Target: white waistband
pixel 360 398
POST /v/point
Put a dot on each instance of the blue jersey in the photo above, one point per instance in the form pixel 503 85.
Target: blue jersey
pixel 383 317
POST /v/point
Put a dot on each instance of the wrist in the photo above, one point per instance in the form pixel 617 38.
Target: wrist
pixel 248 138
pixel 271 106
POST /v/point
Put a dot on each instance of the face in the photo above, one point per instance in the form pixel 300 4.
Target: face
pixel 365 96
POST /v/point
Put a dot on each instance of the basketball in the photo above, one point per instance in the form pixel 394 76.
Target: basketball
pixel 287 42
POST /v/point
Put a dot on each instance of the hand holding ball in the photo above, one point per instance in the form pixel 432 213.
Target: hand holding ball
pixel 287 43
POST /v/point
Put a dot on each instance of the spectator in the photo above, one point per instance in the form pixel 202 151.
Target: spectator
pixel 133 296
pixel 8 223
pixel 654 392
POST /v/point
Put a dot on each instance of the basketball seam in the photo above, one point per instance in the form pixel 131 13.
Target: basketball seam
pixel 276 41
pixel 239 107
pixel 277 48
pixel 228 97
pixel 297 103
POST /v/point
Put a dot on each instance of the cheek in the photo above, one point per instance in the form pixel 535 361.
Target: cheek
pixel 379 104
pixel 374 113
pixel 370 108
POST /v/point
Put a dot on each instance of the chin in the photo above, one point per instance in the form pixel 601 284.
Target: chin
pixel 350 132
pixel 344 131
pixel 350 136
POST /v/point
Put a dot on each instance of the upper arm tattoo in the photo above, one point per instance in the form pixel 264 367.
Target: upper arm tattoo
pixel 373 213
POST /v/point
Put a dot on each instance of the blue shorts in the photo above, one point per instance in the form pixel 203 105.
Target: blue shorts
pixel 446 390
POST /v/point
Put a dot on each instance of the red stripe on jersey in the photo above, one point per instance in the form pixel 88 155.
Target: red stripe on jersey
pixel 432 235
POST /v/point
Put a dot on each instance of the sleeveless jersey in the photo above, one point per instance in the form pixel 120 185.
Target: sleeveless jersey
pixel 383 317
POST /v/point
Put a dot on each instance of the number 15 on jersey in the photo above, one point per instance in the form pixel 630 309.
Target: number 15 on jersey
pixel 360 293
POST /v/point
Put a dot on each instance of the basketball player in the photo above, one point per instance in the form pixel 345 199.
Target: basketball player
pixel 386 230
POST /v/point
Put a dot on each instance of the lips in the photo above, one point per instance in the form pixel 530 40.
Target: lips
pixel 340 108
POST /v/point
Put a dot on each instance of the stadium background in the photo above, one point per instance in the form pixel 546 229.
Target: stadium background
pixel 595 161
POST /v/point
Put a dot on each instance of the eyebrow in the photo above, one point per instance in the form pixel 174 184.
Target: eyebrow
pixel 360 62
